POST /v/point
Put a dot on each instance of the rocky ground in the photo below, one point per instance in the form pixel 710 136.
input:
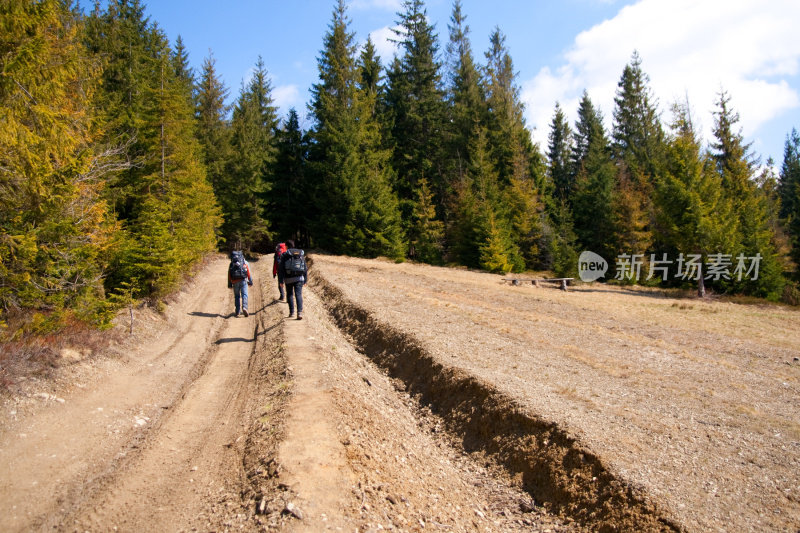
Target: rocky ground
pixel 413 398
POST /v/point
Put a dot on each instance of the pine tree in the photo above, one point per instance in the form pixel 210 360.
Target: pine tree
pixel 559 154
pixel 562 240
pixel 176 216
pixel 592 200
pixel 638 135
pixel 735 168
pixel 55 228
pixel 509 140
pixel 526 210
pixel 694 215
pixel 589 132
pixel 358 211
pixel 213 127
pixel 248 177
pixel 289 192
pixel 180 63
pixel 427 233
pixel 638 148
pixel 789 191
pixel 465 93
pixel 371 80
pixel 122 36
pixel 517 163
pixel 496 252
pixel 415 102
pixel 164 202
pixel 493 236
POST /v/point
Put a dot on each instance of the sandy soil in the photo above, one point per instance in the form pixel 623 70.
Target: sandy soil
pixel 690 405
pixel 147 438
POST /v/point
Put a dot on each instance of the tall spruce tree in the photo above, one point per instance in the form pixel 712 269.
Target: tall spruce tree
pixel 735 167
pixel 559 155
pixel 509 139
pixel 464 92
pixel 122 36
pixel 415 102
pixel 427 232
pixel 248 177
pixel 638 148
pixel 176 216
pixel 638 135
pixel 289 192
pixel 594 170
pixel 494 240
pixel 55 228
pixel 180 64
pixel 358 211
pixel 789 191
pixel 518 164
pixel 213 127
pixel 694 214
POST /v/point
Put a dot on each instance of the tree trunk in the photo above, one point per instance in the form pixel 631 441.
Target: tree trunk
pixel 701 284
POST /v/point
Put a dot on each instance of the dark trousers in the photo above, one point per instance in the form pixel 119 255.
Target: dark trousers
pixel 294 290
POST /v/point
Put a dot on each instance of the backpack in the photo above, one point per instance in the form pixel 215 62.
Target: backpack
pixel 295 264
pixel 238 267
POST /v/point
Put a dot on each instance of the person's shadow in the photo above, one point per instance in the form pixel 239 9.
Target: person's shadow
pixel 258 333
pixel 207 315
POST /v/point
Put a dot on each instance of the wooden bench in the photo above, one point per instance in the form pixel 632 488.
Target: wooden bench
pixel 536 281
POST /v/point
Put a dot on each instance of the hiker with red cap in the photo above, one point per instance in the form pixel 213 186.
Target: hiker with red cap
pixel 276 271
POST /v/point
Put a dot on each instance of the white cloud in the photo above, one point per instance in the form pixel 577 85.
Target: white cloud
pixel 383 40
pixel 286 97
pixel 688 48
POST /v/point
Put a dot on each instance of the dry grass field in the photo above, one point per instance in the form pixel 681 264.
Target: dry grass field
pixel 693 404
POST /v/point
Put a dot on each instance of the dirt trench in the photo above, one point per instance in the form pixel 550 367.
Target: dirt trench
pixel 552 465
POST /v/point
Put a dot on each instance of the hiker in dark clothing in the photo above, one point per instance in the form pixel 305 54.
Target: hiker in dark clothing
pixel 239 278
pixel 295 275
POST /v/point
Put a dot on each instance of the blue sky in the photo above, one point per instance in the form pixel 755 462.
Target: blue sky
pixel 689 48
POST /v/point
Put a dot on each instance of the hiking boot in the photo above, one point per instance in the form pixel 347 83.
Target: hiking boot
pixel 245 312
pixel 236 314
pixel 291 314
pixel 299 315
pixel 280 299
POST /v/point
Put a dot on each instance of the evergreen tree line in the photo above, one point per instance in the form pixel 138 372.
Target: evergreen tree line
pixel 120 168
pixel 430 158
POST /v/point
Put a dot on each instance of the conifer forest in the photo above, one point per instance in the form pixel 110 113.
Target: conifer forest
pixel 121 167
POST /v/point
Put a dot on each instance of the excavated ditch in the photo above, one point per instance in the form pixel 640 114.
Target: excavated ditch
pixel 552 466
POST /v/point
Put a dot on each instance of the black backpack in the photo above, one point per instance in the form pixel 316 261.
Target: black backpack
pixel 295 264
pixel 238 268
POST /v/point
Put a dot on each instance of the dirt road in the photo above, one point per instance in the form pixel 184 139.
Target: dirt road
pixel 139 442
pixel 202 421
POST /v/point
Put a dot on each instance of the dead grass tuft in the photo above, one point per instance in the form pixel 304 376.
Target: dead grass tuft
pixel 26 351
